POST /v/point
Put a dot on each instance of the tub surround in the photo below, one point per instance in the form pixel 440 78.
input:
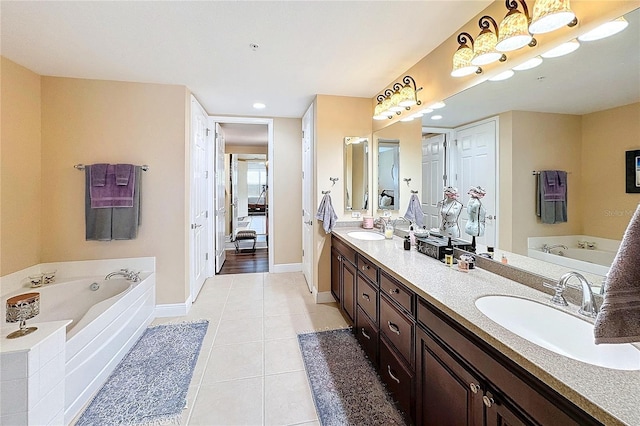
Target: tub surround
pixel 607 395
pixel 32 384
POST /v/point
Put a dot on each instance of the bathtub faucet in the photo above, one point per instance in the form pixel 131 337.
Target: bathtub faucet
pixel 126 273
pixel 547 249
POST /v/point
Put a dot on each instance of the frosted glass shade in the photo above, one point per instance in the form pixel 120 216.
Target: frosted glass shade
pixel 563 49
pixel 485 49
pixel 395 101
pixel 462 62
pixel 531 63
pixel 379 112
pixel 407 96
pixel 605 30
pixel 386 107
pixel 514 32
pixel 549 15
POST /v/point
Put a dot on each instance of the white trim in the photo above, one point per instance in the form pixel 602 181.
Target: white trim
pixel 324 297
pixel 285 267
pixel 270 158
pixel 173 309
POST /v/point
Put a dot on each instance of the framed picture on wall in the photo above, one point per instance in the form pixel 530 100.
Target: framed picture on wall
pixel 633 171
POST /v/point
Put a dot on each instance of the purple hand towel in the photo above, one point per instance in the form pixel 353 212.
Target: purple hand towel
pixel 619 318
pixel 98 174
pixel 123 171
pixel 112 195
pixel 555 185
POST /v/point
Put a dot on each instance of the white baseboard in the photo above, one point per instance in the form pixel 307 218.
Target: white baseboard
pixel 324 297
pixel 173 309
pixel 287 267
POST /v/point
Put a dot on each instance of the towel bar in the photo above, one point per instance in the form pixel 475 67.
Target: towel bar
pixel 81 166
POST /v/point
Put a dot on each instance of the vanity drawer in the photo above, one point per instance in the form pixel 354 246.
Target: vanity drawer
pixel 397 292
pixel 397 328
pixel 344 250
pixel 368 269
pixel 367 335
pixel 397 378
pixel 367 297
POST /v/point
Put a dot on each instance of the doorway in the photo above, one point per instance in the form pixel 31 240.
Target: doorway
pixel 246 194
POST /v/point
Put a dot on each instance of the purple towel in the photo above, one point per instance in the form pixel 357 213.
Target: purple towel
pixel 98 174
pixel 555 185
pixel 111 195
pixel 123 171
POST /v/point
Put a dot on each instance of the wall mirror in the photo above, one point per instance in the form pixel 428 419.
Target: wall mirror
pixel 388 174
pixel 356 173
pixel 599 76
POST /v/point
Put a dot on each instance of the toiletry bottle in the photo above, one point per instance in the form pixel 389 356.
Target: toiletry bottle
pixel 448 256
pixel 412 236
pixel 490 251
pixel 388 230
pixel 407 243
pixel 504 259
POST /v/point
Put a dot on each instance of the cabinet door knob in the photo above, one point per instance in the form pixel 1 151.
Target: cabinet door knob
pixel 340 258
pixel 364 333
pixel 394 291
pixel 488 401
pixel 391 374
pixel 365 267
pixel 366 296
pixel 393 327
pixel 474 388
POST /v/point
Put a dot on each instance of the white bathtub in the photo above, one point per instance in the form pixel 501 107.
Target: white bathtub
pixel 105 325
pixel 595 261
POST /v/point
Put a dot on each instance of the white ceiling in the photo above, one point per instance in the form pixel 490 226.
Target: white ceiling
pixel 348 48
pixel 600 75
pixel 239 134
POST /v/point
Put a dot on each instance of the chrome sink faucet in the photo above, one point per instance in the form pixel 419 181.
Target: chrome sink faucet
pixel 547 249
pixel 589 307
pixel 126 273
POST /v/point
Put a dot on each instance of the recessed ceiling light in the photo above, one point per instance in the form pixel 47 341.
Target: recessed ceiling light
pixel 503 76
pixel 436 117
pixel 563 49
pixel 259 105
pixel 531 63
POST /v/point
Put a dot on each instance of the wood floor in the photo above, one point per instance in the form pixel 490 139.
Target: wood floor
pixel 243 263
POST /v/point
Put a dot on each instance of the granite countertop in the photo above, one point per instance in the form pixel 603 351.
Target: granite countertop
pixel 611 396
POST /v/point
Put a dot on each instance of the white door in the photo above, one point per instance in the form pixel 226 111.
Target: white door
pixel 476 165
pixel 219 198
pixel 199 229
pixel 433 179
pixel 307 197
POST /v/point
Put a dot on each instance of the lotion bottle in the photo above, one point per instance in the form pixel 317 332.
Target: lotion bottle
pixel 412 237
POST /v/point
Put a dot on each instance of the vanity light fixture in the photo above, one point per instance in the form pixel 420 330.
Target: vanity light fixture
pixel 417 115
pixel 563 49
pixel 397 99
pixel 514 28
pixel 410 118
pixel 484 50
pixel 549 15
pixel 436 105
pixel 503 76
pixel 605 30
pixel 462 58
pixel 527 65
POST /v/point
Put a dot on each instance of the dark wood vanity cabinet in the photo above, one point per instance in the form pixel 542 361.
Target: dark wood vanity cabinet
pixel 460 380
pixel 343 278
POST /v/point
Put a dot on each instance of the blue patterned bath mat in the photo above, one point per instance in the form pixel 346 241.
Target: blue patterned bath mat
pixel 150 384
pixel 346 389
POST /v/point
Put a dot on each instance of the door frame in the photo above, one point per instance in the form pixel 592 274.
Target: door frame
pixel 270 159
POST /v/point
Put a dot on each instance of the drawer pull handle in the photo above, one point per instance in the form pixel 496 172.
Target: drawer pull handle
pixel 339 258
pixel 474 388
pixel 366 296
pixel 394 291
pixel 391 374
pixel 365 267
pixel 394 328
pixel 488 401
pixel 364 333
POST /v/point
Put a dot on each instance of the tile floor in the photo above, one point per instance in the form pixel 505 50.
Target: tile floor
pixel 250 369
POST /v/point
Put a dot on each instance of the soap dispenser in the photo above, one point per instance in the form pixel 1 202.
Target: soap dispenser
pixel 407 243
pixel 412 236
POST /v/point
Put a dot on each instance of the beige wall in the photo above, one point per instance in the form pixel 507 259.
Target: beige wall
pixel 244 149
pixel 91 121
pixel 606 135
pixel 286 166
pixel 335 118
pixel 20 165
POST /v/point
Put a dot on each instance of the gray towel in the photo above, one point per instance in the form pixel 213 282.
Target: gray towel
pixel 549 211
pixel 326 214
pixel 118 223
pixel 619 318
pixel 414 211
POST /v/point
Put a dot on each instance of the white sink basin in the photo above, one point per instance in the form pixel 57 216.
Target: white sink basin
pixel 557 331
pixel 366 235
